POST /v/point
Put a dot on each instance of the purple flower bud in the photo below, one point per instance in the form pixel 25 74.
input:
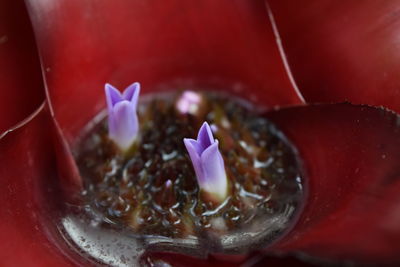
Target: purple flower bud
pixel 189 102
pixel 168 184
pixel 208 163
pixel 123 124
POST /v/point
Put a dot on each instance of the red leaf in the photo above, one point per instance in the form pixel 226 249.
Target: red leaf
pixel 29 198
pixel 352 206
pixel 213 44
pixel 256 259
pixel 350 152
pixel 351 155
pixel 343 50
pixel 20 77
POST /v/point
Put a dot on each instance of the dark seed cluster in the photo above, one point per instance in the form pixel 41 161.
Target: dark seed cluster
pixel 153 188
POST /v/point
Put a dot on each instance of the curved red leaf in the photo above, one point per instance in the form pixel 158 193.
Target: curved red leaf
pixel 213 44
pixel 352 208
pixel 350 163
pixel 351 155
pixel 20 77
pixel 29 197
pixel 343 50
pixel 256 259
pixel 350 152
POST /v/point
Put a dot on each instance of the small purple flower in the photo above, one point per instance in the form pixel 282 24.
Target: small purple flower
pixel 123 124
pixel 189 102
pixel 168 183
pixel 208 163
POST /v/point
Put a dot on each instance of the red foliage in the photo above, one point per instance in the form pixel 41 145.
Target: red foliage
pixel 343 50
pixel 22 87
pixel 337 51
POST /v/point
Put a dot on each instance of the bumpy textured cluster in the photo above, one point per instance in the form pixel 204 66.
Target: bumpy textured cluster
pixel 123 125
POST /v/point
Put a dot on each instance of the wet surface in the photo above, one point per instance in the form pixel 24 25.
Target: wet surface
pixel 151 193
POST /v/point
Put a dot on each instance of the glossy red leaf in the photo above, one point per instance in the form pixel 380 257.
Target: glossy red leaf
pixel 20 77
pixel 349 151
pixel 351 155
pixel 254 260
pixel 223 45
pixel 343 50
pixel 29 196
pixel 352 208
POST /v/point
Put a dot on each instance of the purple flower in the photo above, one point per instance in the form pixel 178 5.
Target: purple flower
pixel 189 102
pixel 208 163
pixel 123 124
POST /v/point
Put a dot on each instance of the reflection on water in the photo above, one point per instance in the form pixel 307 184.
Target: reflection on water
pixel 150 201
